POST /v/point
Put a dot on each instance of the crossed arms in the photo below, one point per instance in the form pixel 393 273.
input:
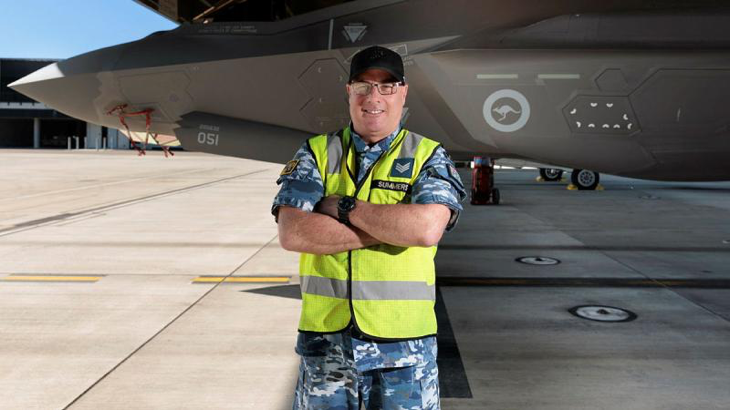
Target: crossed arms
pixel 321 233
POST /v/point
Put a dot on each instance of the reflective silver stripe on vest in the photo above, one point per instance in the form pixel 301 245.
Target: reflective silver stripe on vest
pixel 368 290
pixel 315 285
pixel 390 290
pixel 410 145
pixel 334 153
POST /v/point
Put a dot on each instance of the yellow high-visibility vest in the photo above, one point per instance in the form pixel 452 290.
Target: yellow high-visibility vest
pixel 387 292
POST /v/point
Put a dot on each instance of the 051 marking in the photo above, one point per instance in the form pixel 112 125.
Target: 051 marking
pixel 208 138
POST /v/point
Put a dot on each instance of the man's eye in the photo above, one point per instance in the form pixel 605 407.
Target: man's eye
pixel 361 87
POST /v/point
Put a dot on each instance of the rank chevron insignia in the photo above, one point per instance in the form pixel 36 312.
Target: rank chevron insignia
pixel 402 168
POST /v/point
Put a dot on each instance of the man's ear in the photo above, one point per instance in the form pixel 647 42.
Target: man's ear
pixel 405 92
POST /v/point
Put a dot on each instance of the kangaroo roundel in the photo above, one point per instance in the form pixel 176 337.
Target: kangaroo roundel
pixel 506 110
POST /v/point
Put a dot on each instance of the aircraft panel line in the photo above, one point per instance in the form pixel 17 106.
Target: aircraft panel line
pixel 559 76
pixel 497 76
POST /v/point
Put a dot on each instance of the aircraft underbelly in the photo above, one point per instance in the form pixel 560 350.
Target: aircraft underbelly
pixel 653 114
pixel 620 112
pixel 304 92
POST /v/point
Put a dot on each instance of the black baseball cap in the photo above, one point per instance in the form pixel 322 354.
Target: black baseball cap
pixel 377 57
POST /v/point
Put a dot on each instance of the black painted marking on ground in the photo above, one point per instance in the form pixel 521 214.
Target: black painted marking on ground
pixel 585 282
pixel 577 312
pixel 583 248
pixel 65 216
pixel 452 376
pixel 285 291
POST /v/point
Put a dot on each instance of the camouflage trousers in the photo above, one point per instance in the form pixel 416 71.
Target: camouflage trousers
pixel 332 382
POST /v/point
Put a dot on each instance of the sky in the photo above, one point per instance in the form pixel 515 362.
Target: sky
pixel 59 29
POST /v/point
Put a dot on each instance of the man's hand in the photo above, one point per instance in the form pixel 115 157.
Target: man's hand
pixel 328 206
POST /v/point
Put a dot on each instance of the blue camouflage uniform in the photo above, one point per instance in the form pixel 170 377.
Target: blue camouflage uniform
pixel 340 371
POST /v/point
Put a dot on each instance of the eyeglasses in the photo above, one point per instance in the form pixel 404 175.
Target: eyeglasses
pixel 364 88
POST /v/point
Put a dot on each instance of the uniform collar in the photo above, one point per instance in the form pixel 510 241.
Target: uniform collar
pixel 361 146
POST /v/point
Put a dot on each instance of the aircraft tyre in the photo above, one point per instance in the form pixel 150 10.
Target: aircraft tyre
pixel 584 179
pixel 551 174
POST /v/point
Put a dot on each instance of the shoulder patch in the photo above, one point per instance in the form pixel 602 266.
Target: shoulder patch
pixel 289 167
pixel 452 170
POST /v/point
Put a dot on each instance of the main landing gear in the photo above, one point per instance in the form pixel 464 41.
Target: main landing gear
pixel 581 179
pixel 584 180
pixel 483 191
pixel 551 174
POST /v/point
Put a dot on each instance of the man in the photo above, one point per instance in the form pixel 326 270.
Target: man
pixel 366 207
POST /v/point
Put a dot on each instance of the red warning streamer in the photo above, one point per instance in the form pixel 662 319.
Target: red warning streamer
pixel 121 112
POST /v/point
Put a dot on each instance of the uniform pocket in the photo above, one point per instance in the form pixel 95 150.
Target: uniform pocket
pixel 309 345
pixel 428 378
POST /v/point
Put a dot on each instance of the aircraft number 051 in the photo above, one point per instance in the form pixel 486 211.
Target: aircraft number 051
pixel 208 138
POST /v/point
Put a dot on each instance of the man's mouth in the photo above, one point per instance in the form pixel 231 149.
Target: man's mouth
pixel 372 112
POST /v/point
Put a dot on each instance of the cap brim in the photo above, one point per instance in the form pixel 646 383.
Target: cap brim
pixel 387 70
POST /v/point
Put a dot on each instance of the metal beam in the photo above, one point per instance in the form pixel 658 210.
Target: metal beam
pixel 218 6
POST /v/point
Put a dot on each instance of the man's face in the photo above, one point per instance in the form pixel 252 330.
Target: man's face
pixel 375 116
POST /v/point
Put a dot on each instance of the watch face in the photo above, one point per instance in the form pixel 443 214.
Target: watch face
pixel 346 203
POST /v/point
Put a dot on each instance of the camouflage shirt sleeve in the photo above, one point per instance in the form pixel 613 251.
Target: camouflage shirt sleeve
pixel 439 183
pixel 301 187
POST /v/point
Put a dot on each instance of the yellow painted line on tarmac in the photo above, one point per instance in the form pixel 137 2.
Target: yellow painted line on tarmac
pixel 242 279
pixel 50 278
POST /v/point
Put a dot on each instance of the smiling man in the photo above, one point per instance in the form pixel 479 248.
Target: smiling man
pixel 366 207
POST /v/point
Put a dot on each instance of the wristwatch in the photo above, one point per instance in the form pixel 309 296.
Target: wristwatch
pixel 344 206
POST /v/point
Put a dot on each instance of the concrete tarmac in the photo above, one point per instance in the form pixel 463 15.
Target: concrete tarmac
pixel 154 283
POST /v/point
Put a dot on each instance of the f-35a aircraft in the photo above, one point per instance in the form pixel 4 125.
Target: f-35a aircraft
pixel 636 88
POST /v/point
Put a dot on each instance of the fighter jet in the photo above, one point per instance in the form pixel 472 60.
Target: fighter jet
pixel 635 88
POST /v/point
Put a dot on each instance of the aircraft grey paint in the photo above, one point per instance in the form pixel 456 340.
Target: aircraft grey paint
pixel 631 88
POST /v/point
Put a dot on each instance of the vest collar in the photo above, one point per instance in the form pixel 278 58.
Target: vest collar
pixel 383 145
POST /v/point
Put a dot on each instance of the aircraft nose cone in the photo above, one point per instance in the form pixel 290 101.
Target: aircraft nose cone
pixel 48 72
pixel 71 95
pixel 72 85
